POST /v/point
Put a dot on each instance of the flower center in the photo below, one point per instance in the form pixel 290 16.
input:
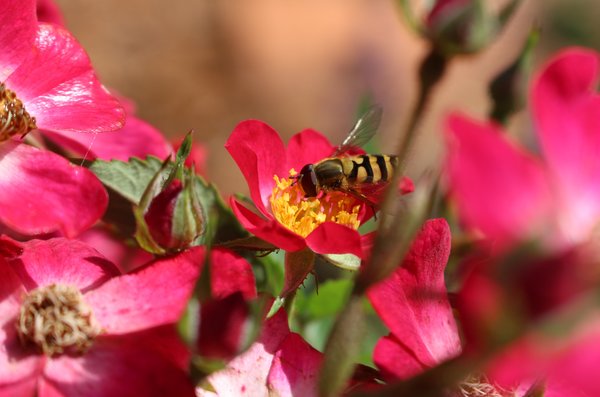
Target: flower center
pixel 303 215
pixel 478 386
pixel 56 318
pixel 14 119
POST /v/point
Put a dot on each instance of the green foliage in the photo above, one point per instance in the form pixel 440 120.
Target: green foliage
pixel 138 181
pixel 128 179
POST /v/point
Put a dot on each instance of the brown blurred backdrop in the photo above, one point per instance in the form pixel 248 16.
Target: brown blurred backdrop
pixel 208 64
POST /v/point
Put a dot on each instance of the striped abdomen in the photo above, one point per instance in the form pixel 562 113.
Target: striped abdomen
pixel 369 168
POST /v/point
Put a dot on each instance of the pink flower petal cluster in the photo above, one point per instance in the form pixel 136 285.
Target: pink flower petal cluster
pixel 279 363
pixel 136 350
pixel 260 154
pixel 223 317
pixel 47 82
pixel 510 194
pixel 413 303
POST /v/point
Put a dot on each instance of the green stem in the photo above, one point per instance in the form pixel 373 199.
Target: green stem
pixel 397 227
pixel 391 245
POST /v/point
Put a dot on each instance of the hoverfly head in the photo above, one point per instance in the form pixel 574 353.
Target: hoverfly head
pixel 308 180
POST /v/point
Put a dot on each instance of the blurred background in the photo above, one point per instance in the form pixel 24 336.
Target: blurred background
pixel 206 65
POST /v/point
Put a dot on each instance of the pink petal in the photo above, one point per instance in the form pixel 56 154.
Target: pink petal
pixel 53 195
pixel 333 238
pixel 19 24
pixel 60 260
pixel 166 340
pixel 222 326
pixel 15 366
pixel 295 369
pixel 48 11
pixel 574 372
pixel 24 388
pixel 267 229
pixel 247 373
pixel 498 188
pixel 136 139
pixel 230 273
pixel 396 360
pixel 119 366
pixel 413 302
pixel 566 109
pixel 155 295
pixel 59 88
pixel 259 153
pixel 307 147
pixel 124 256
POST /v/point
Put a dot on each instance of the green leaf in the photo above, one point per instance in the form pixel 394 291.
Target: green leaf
pixel 128 179
pixel 278 303
pixel 221 223
pixel 142 233
pixel 344 261
pixel 184 149
pixel 326 302
pixel 269 273
pixel 189 219
pixel 177 171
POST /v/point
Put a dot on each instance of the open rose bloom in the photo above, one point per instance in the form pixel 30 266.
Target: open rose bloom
pixel 73 326
pixel 47 84
pixel 285 218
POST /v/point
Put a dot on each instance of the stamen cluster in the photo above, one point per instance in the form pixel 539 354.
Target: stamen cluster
pixel 478 386
pixel 302 215
pixel 14 119
pixel 55 318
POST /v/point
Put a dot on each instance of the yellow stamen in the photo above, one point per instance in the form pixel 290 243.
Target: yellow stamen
pixel 14 119
pixel 303 215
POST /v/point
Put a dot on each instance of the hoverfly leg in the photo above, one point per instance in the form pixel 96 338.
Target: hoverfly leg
pixel 361 197
pixel 295 179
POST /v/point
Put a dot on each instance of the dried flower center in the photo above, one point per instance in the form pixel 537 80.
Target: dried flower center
pixel 14 119
pixel 303 215
pixel 478 386
pixel 56 318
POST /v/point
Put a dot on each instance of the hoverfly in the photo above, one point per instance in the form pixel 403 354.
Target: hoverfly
pixel 356 175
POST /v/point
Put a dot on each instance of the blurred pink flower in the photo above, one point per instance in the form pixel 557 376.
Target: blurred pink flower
pixel 279 363
pixel 224 315
pixel 72 326
pixel 511 195
pixel 414 305
pixel 561 367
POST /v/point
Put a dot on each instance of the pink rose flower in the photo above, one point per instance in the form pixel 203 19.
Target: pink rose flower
pixel 512 195
pixel 72 326
pixel 279 363
pixel 285 219
pixel 414 305
pixel 47 83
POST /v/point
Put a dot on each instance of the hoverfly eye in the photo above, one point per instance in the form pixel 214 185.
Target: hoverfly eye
pixel 308 181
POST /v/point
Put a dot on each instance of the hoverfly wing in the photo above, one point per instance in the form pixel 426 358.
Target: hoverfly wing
pixel 362 132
